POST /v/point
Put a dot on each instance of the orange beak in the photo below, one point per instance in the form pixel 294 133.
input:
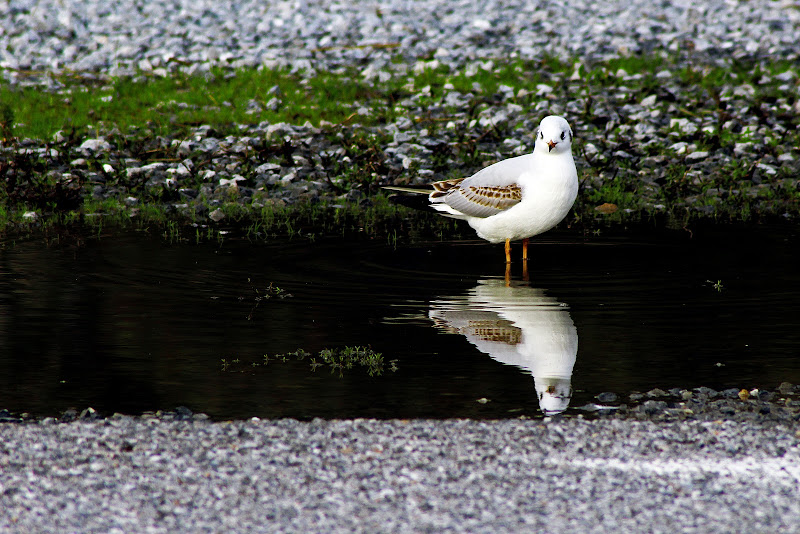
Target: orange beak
pixel 551 144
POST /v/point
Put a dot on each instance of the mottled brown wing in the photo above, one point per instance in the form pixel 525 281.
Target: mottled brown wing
pixel 476 200
pixel 495 330
pixel 442 187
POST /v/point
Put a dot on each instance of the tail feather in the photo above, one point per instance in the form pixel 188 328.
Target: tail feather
pixel 431 201
pixel 412 190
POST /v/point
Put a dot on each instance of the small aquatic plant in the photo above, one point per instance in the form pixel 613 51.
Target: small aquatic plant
pixel 716 285
pixel 337 359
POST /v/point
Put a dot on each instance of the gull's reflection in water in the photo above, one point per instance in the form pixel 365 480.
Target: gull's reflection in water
pixel 517 325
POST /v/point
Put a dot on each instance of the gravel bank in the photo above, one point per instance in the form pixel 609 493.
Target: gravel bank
pixel 123 36
pixel 652 142
pixel 128 474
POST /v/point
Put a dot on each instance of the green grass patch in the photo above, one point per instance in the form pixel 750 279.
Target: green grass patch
pixel 178 102
pixel 224 98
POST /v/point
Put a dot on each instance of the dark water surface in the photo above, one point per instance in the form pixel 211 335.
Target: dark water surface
pixel 132 323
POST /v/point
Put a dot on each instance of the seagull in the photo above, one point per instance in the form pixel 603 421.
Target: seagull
pixel 517 325
pixel 516 198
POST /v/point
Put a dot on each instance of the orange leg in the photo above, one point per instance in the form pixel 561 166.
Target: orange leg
pixel 525 249
pixel 508 251
pixel 508 275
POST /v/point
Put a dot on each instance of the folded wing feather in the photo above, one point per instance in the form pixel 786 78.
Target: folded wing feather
pixel 485 193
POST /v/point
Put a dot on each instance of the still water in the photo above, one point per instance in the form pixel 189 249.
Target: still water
pixel 134 323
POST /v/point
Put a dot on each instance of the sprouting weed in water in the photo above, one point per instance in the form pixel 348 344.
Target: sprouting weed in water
pixel 300 354
pixel 269 292
pixel 716 285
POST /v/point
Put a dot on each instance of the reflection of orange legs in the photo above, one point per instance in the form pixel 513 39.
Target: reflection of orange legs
pixel 508 275
pixel 525 258
pixel 508 251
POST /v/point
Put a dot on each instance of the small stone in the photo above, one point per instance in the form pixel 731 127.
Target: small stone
pixel 649 101
pixel 94 146
pixel 695 156
pixel 652 407
pixel 274 104
pixel 745 90
pixel 765 396
pixel 606 396
pixel 684 125
pixel 708 392
pixel 6 417
pixel 787 388
pixel 264 168
pixel 653 161
pixel 216 215
pixel 134 172
pixel 606 208
pixel 182 413
pixel 89 414
pixel 679 147
pixel 233 181
pixel 767 169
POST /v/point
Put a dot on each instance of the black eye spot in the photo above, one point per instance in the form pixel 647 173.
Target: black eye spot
pixel 541 135
pixel 562 136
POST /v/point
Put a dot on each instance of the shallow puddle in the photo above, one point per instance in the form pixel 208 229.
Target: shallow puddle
pixel 131 323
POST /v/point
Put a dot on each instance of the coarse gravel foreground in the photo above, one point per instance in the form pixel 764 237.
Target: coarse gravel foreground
pixel 148 474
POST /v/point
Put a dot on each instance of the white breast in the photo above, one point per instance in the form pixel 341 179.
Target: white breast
pixel 548 192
